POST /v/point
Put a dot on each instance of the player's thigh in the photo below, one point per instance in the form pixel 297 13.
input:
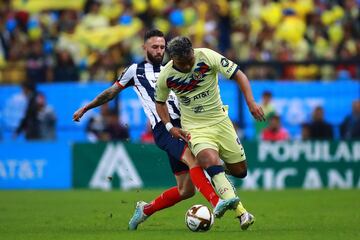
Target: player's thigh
pixel 204 146
pixel 230 149
pixel 188 158
pixel 177 167
pixel 172 146
pixel 202 139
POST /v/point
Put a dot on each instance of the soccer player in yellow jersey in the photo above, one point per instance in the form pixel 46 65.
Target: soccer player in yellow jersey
pixel 142 77
pixel 193 75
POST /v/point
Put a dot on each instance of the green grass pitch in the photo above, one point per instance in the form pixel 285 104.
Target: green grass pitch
pixel 290 214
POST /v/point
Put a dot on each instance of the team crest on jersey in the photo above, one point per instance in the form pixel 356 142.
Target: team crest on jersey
pixel 187 84
pixel 197 75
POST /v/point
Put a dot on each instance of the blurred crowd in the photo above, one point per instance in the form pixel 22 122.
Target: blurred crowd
pixel 106 126
pixel 318 128
pixel 39 123
pixel 93 40
pixel 39 119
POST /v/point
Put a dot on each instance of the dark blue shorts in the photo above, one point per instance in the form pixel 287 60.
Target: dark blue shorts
pixel 172 146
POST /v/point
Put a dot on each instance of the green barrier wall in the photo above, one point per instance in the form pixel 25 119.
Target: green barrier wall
pixel 310 165
pixel 129 165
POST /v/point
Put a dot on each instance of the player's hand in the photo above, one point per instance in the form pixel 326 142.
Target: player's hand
pixel 79 113
pixel 179 133
pixel 257 112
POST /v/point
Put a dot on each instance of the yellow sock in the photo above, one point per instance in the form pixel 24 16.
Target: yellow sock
pixel 239 210
pixel 225 190
pixel 223 186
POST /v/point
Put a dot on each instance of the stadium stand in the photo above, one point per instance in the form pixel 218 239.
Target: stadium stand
pixel 94 39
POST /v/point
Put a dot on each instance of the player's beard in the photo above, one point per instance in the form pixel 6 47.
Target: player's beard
pixel 155 60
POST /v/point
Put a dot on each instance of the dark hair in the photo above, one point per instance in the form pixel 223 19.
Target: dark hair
pixel 29 86
pixel 318 108
pixel 267 93
pixel 274 116
pixel 305 125
pixel 179 47
pixel 153 33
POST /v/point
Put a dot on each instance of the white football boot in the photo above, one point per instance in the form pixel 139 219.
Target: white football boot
pixel 223 205
pixel 139 215
pixel 246 220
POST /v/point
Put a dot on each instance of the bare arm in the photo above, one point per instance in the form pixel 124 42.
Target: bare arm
pixel 100 99
pixel 243 82
pixel 162 110
pixel 104 97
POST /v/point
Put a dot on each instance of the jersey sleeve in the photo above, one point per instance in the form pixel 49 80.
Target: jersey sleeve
pixel 161 90
pixel 225 66
pixel 127 77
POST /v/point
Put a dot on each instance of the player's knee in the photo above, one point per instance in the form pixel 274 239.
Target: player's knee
pixel 208 160
pixel 238 172
pixel 186 192
pixel 241 173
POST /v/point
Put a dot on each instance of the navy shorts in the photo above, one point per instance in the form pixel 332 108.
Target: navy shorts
pixel 172 146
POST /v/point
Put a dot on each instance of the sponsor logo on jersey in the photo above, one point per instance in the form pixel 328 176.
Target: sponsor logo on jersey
pixel 185 100
pixel 231 68
pixel 201 95
pixel 198 109
pixel 224 62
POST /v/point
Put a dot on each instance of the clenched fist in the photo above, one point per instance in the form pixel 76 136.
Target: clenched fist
pixel 79 113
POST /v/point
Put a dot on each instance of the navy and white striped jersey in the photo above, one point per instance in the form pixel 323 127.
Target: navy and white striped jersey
pixel 143 77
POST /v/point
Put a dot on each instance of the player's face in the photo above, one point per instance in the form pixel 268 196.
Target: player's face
pixel 185 64
pixel 155 49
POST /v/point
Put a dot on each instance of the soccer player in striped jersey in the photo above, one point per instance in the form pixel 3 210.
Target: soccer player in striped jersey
pixel 192 74
pixel 142 77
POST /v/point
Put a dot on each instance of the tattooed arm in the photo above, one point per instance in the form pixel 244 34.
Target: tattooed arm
pixel 100 99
